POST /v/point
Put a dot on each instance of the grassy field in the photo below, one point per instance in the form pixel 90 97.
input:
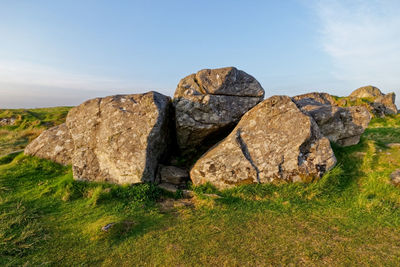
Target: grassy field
pixel 350 217
pixel 27 125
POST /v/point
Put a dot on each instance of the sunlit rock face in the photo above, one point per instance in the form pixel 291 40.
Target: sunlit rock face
pixel 342 125
pixel 119 139
pixel 54 144
pixel 275 141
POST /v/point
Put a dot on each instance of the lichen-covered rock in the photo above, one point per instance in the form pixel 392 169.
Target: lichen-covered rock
pixel 53 144
pixel 274 141
pixel 367 92
pixel 210 102
pixel 322 98
pixel 381 105
pixel 343 126
pixel 119 139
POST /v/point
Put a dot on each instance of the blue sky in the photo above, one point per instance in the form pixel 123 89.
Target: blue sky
pixel 64 52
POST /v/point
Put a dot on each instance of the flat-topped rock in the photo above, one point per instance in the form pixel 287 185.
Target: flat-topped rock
pixel 119 139
pixel 211 102
pixel 275 141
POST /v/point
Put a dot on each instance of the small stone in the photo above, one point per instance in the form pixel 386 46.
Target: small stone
pixel 393 145
pixel 173 175
pixel 395 177
pixel 107 227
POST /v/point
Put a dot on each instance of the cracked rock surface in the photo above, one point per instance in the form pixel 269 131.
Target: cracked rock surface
pixel 275 141
pixel 53 144
pixel 210 102
pixel 119 139
pixel 343 126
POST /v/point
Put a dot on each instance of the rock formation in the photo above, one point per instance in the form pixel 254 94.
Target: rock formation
pixel 367 92
pixel 343 126
pixel 119 139
pixel 211 102
pixel 380 104
pixel 53 144
pixel 274 141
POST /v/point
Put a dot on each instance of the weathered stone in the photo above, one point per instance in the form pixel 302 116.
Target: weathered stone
pixel 343 126
pixel 311 98
pixel 173 175
pixel 211 102
pixel 369 91
pixel 53 144
pixel 119 139
pixel 381 105
pixel 395 177
pixel 393 145
pixel 388 101
pixel 274 141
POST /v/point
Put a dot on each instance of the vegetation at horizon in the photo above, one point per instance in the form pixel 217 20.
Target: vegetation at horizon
pixel 27 125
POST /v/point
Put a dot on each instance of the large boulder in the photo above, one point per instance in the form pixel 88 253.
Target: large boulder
pixel 380 104
pixel 119 139
pixel 343 126
pixel 369 91
pixel 274 141
pixel 53 144
pixel 210 102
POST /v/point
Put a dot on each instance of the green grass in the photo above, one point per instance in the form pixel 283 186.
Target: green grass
pixel 350 217
pixel 29 123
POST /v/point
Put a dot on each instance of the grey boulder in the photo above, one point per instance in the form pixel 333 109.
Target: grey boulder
pixel 343 126
pixel 211 102
pixel 381 104
pixel 275 141
pixel 119 139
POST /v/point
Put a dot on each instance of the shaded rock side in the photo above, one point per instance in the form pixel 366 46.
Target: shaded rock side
pixel 119 139
pixel 172 175
pixel 53 144
pixel 275 141
pixel 343 126
pixel 210 102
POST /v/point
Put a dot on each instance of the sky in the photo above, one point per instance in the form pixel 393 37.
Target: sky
pixel 64 52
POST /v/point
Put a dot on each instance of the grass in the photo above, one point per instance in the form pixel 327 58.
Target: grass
pixel 350 217
pixel 29 123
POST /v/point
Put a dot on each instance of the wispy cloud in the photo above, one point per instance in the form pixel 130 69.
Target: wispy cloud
pixel 28 73
pixel 27 84
pixel 363 40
